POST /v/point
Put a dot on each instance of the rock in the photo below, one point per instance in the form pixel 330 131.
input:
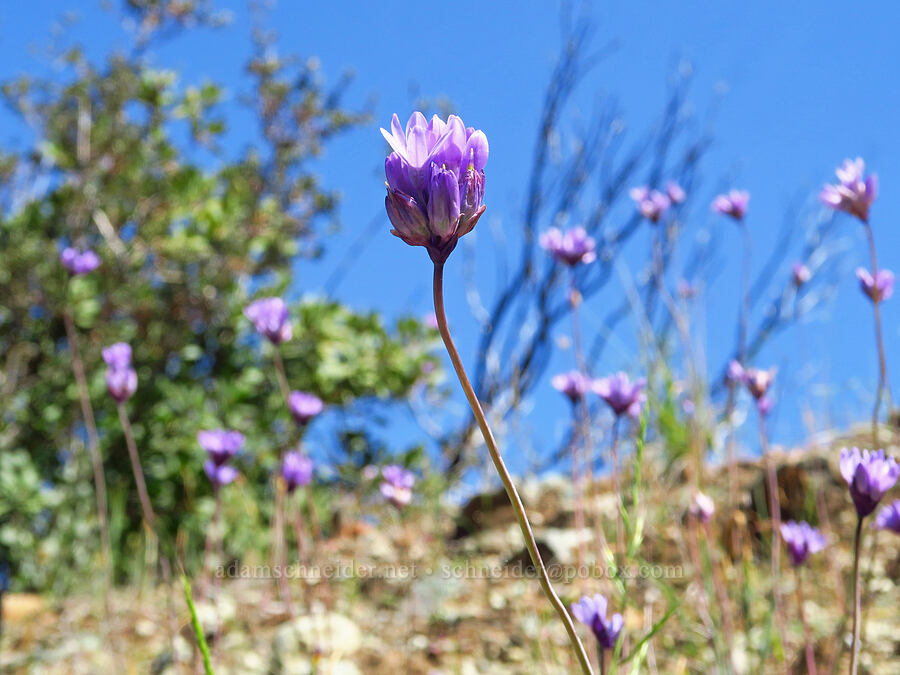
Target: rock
pixel 330 634
pixel 564 544
pixel 520 563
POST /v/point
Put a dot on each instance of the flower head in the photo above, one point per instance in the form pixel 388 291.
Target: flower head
pixel 675 192
pixel 219 475
pixel 117 356
pixel 733 204
pixel 621 394
pixel 270 318
pixel 571 247
pixel 855 192
pixel 397 484
pixel 79 262
pixel 764 405
pixel 651 203
pixel 702 507
pixel 800 274
pixel 121 379
pixel 802 540
pixel 220 444
pixel 591 611
pixel 573 384
pixel 735 372
pixel 869 474
pixel 889 517
pixel 878 288
pixel 758 381
pixel 435 181
pixel 304 406
pixel 296 469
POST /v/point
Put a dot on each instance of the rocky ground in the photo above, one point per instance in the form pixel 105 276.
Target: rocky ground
pixel 450 593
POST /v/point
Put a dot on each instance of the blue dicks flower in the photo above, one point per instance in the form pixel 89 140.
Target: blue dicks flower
pixel 435 181
pixel 733 204
pixel 220 444
pixel 802 540
pixel 573 384
pixel 304 406
pixel 591 611
pixel 121 379
pixel 869 474
pixel 652 204
pixel 621 394
pixel 79 262
pixel 758 381
pixel 270 318
pixel 855 192
pixel 675 192
pixel 571 247
pixel 878 288
pixel 296 469
pixel 219 475
pixel 702 507
pixel 397 485
pixel 888 518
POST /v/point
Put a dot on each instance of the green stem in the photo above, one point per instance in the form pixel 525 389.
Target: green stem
pixel 883 387
pixel 505 477
pixel 857 603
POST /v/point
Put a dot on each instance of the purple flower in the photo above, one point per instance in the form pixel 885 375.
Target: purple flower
pixel 879 288
pixel 758 381
pixel 802 540
pixel 571 247
pixel 855 192
pixel 435 181
pixel 431 321
pixel 79 262
pixel 304 406
pixel 573 384
pixel 869 474
pixel 121 379
pixel 270 318
pixel 591 611
pixel 889 517
pixel 702 507
pixel 296 469
pixel 800 274
pixel 675 192
pixel 651 203
pixel 219 475
pixel 622 395
pixel 764 405
pixel 220 444
pixel 397 485
pixel 735 372
pixel 733 204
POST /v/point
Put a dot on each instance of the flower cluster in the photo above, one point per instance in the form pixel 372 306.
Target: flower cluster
pixel 304 406
pixel 757 382
pixel 435 181
pixel 221 445
pixel 591 611
pixel 802 540
pixel 397 485
pixel 573 384
pixel 622 395
pixel 889 517
pixel 296 469
pixel 733 204
pixel 855 191
pixel 878 288
pixel 800 274
pixel 79 262
pixel 121 379
pixel 652 204
pixel 869 474
pixel 571 247
pixel 270 318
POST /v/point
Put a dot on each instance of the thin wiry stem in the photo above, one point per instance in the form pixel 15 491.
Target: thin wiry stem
pixel 87 412
pixel 505 477
pixel 857 602
pixel 585 459
pixel 775 518
pixel 879 339
pixel 146 507
pixel 279 548
pixel 807 637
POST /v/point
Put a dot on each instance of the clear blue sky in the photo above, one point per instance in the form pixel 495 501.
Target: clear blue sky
pixel 805 85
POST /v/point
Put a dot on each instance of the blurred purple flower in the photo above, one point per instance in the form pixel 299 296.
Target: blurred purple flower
pixel 571 247
pixel 869 474
pixel 675 192
pixel 733 204
pixel 591 611
pixel 219 475
pixel 117 356
pixel 296 469
pixel 270 318
pixel 800 274
pixel 651 203
pixel 304 406
pixel 431 321
pixel 764 405
pixel 397 485
pixel 889 517
pixel 622 395
pixel 702 507
pixel 802 540
pixel 573 384
pixel 121 379
pixel 855 192
pixel 220 444
pixel 79 262
pixel 735 372
pixel 435 181
pixel 879 288
pixel 758 381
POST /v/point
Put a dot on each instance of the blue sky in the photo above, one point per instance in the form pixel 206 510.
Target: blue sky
pixel 797 88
